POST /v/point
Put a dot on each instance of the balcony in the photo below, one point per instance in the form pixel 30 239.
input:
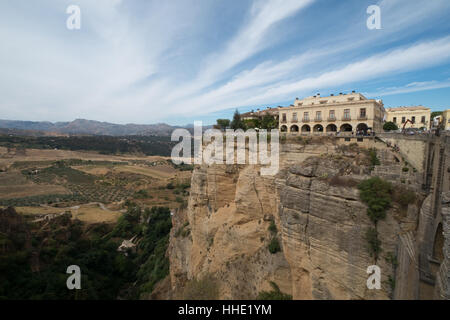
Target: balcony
pixel 331 119
pixel 317 119
pixel 294 120
pixel 283 121
pixel 305 120
pixel 346 118
pixel 362 117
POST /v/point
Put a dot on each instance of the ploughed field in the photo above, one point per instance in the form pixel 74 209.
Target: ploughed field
pixel 93 187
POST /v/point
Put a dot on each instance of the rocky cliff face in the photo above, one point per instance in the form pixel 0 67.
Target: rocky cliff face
pixel 321 226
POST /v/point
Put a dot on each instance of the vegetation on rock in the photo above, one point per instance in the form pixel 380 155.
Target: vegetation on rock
pixel 206 288
pixel 274 294
pixel 35 255
pixel 274 246
pixel 374 243
pixel 376 193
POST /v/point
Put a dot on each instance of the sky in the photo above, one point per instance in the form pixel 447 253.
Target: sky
pixel 180 61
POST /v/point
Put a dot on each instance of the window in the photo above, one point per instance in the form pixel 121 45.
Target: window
pixel 319 115
pixel 346 114
pixel 362 112
pixel 332 115
pixel 294 116
pixel 394 120
pixel 423 119
pixel 403 119
pixel 305 116
pixel 323 101
pixel 284 117
pixel 413 119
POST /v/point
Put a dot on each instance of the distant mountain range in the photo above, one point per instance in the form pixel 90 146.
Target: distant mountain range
pixel 84 127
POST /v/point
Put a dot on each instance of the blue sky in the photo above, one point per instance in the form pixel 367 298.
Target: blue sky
pixel 144 61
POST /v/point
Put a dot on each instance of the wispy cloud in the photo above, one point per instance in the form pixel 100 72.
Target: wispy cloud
pixel 406 59
pixel 146 61
pixel 410 87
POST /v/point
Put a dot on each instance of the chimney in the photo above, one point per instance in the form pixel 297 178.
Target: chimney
pixel 318 95
pixel 340 93
pixel 332 95
pixel 296 98
pixel 353 91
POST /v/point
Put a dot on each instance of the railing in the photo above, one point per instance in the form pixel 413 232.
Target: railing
pixel 346 118
pixel 361 117
pixel 294 120
pixel 283 121
pixel 331 119
pixel 306 120
pixel 318 119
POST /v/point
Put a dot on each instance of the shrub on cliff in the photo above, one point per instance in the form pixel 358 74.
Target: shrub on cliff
pixel 272 227
pixel 274 246
pixel 275 294
pixel 404 197
pixel 205 288
pixel 376 193
pixel 374 161
pixel 374 244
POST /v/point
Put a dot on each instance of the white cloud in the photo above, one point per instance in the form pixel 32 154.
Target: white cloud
pixel 418 56
pixel 142 61
pixel 410 87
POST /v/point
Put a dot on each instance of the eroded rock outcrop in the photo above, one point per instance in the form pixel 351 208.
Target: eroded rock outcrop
pixel 320 219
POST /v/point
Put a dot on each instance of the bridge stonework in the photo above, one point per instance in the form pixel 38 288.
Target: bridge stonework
pixel 430 262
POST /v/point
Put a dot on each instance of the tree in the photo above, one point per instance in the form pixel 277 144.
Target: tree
pixel 222 124
pixel 388 126
pixel 435 114
pixel 268 122
pixel 252 123
pixel 237 122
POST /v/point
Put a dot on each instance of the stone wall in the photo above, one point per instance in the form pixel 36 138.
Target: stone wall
pixel 412 148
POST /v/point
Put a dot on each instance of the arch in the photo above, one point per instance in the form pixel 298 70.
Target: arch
pixel 362 127
pixel 331 128
pixel 306 128
pixel 283 128
pixel 346 127
pixel 318 128
pixel 294 128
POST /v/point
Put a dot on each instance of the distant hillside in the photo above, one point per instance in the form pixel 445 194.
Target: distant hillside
pixel 149 145
pixel 89 127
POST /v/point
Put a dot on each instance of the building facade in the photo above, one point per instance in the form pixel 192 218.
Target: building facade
pixel 446 119
pixel 259 114
pixel 343 113
pixel 419 117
